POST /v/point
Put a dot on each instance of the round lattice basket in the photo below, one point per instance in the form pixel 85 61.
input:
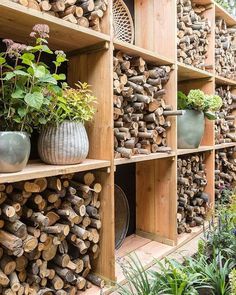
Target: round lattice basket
pixel 123 27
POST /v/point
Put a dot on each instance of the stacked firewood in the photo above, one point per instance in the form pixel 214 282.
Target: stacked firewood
pixel 225 170
pixel 49 234
pixel 225 47
pixel 140 111
pixel 192 200
pixel 86 13
pixel 225 122
pixel 193 30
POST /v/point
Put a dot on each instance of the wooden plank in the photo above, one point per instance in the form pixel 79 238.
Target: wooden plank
pixel 156 197
pixel 210 170
pixel 191 151
pixel 150 19
pixel 17 21
pixel 186 72
pixel 142 158
pixel 37 169
pixel 210 56
pixel 104 264
pixel 185 237
pixel 171 99
pixel 224 81
pixel 145 197
pixel 165 16
pixel 224 145
pixel 147 55
pixel 165 193
pixel 144 34
pixel 95 69
pixel 130 244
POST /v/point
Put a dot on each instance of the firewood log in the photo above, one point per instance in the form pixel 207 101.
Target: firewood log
pixel 193 31
pixel 192 200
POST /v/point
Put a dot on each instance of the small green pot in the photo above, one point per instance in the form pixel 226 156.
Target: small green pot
pixel 14 151
pixel 191 126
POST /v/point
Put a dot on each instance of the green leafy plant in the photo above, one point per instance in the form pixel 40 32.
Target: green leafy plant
pixel 74 104
pixel 232 280
pixel 139 281
pixel 174 278
pixel 199 101
pixel 170 277
pixel 28 84
pixel 215 272
pixel 223 4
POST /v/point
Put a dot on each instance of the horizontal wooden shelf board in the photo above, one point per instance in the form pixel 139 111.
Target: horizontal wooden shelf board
pixel 225 145
pixel 142 158
pixel 37 169
pixel 130 244
pixel 203 2
pixel 147 254
pixel 224 14
pixel 186 72
pixel 16 22
pixel 147 55
pixel 224 81
pixel 192 151
pixel 185 237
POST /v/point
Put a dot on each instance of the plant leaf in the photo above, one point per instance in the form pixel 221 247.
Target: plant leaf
pixel 39 71
pixel 22 112
pixel 18 94
pixel 34 100
pixel 2 60
pixel 210 115
pixel 9 76
pixel 21 73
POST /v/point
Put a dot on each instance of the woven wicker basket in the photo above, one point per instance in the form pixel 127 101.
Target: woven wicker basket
pixel 123 27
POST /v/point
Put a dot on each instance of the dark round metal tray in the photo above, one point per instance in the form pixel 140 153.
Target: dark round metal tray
pixel 122 216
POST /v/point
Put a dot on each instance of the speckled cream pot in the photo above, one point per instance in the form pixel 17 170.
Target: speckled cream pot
pixel 63 144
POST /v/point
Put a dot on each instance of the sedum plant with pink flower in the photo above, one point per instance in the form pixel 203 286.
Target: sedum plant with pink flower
pixel 27 85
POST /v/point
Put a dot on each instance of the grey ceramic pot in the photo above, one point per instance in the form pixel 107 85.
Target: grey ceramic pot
pixel 64 144
pixel 14 151
pixel 191 126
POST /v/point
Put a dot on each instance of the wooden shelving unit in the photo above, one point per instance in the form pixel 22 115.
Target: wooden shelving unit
pixel 91 60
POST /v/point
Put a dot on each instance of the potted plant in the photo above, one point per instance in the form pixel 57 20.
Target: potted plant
pixel 191 124
pixel 26 88
pixel 63 140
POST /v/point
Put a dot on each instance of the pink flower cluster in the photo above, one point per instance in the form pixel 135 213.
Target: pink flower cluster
pixel 13 48
pixel 41 30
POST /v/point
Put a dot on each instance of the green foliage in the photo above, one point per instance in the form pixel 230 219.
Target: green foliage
pixel 223 4
pixel 72 105
pixel 211 272
pixel 27 84
pixel 139 281
pixel 215 272
pixel 199 101
pixel 174 278
pixel 232 280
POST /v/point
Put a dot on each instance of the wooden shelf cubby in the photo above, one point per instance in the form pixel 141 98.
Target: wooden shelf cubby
pixel 90 56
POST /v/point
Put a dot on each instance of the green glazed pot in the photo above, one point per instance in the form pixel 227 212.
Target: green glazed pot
pixel 14 151
pixel 191 127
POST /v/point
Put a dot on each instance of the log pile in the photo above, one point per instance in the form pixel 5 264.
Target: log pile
pixel 192 200
pixel 225 121
pixel 85 13
pixel 193 31
pixel 49 234
pixel 225 170
pixel 140 111
pixel 225 48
